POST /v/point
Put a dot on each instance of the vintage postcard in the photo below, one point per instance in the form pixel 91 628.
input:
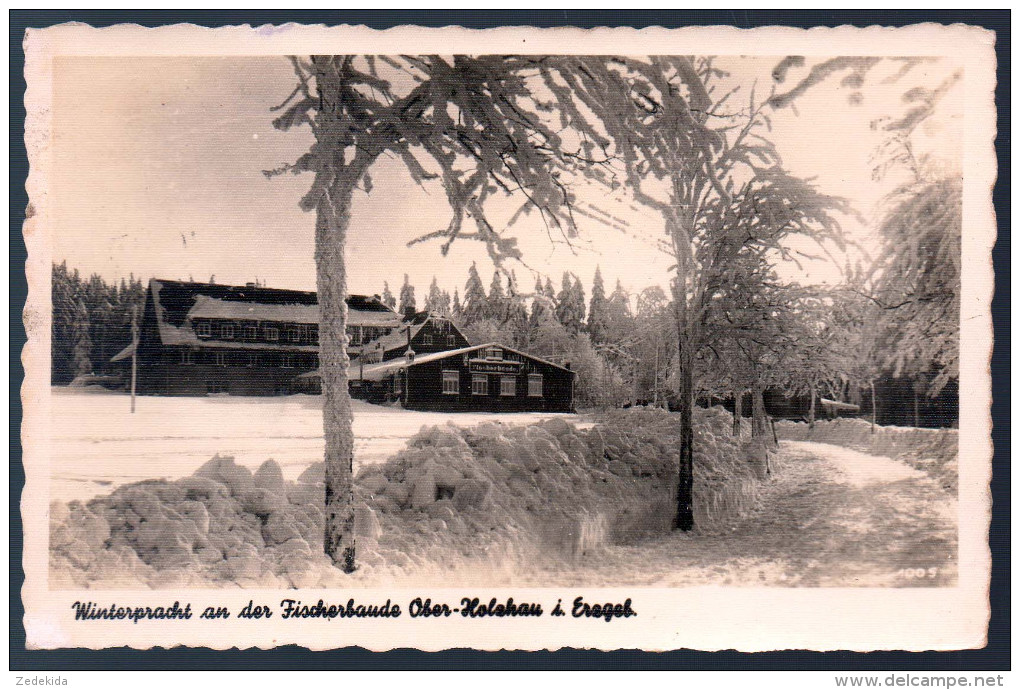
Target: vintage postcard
pixel 508 339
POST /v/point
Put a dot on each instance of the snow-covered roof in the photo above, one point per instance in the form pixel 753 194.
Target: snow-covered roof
pixel 213 308
pixel 393 340
pixel 178 303
pixel 836 405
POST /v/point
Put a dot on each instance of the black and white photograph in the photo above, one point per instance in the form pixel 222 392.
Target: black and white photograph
pixel 590 323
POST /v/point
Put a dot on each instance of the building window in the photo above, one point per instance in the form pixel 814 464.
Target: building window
pixel 204 330
pixel 534 385
pixel 226 331
pixel 295 335
pixel 494 353
pixel 314 330
pixel 451 383
pixel 287 361
pixel 253 360
pixel 426 339
pixel 507 386
pixel 479 384
pixel 251 332
pixel 272 333
pixel 451 340
pixel 187 357
pixel 220 359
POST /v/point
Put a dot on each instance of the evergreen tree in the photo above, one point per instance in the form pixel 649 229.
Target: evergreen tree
pixel 566 309
pixel 407 301
pixel 517 315
pixel 598 316
pixel 82 340
pixel 387 297
pixel 456 310
pixel 475 304
pixel 539 305
pixel 619 320
pixel 497 300
pixel 434 300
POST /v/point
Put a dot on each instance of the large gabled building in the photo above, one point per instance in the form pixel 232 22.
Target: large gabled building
pixel 202 338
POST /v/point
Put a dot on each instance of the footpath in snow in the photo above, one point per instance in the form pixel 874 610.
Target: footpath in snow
pixel 832 517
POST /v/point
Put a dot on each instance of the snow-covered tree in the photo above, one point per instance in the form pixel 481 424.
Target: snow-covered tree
pixel 496 302
pixel 82 339
pixel 598 317
pixel 471 122
pixel 407 300
pixel 475 301
pixel 456 310
pixel 437 301
pixel 570 304
pixel 387 297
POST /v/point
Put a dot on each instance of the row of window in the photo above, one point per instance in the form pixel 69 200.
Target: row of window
pixel 298 333
pixel 359 335
pixel 427 339
pixel 480 384
pixel 250 359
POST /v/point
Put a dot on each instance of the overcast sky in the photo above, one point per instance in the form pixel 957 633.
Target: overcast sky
pixel 158 172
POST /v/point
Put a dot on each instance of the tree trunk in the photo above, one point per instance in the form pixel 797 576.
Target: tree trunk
pixel 874 409
pixel 738 411
pixel 685 484
pixel 759 424
pixel 332 220
pixel 811 413
pixel 917 404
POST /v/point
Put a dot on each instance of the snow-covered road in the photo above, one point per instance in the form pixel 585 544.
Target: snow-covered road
pixel 833 517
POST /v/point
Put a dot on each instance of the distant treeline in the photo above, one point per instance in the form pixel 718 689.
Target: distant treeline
pixel 91 321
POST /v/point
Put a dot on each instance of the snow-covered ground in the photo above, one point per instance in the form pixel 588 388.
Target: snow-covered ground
pixel 97 444
pixel 832 517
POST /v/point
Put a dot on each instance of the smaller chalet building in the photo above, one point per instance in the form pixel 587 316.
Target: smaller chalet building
pixel 490 377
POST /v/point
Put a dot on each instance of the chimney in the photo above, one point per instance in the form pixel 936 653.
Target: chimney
pixel 410 353
pixel 566 365
pixel 409 313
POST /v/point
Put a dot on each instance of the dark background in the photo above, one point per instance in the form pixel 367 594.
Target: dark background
pixel 994 657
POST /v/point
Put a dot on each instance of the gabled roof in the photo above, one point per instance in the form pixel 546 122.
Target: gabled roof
pixel 397 339
pixel 377 372
pixel 177 303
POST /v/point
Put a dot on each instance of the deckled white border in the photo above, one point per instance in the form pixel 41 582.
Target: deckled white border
pixel 747 619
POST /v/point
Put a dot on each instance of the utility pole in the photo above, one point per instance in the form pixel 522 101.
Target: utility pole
pixel 134 354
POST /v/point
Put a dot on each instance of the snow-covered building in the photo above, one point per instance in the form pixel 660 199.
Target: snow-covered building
pixel 490 377
pixel 202 338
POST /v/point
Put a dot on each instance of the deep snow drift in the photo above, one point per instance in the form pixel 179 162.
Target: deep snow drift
pixel 932 451
pixel 482 505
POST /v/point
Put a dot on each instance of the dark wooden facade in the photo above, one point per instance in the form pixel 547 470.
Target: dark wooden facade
pixel 205 339
pixel 489 378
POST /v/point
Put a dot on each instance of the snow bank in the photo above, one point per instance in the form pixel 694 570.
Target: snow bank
pixel 933 451
pixel 492 499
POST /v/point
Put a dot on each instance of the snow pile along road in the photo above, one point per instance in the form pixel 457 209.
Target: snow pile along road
pixel 477 504
pixel 932 451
